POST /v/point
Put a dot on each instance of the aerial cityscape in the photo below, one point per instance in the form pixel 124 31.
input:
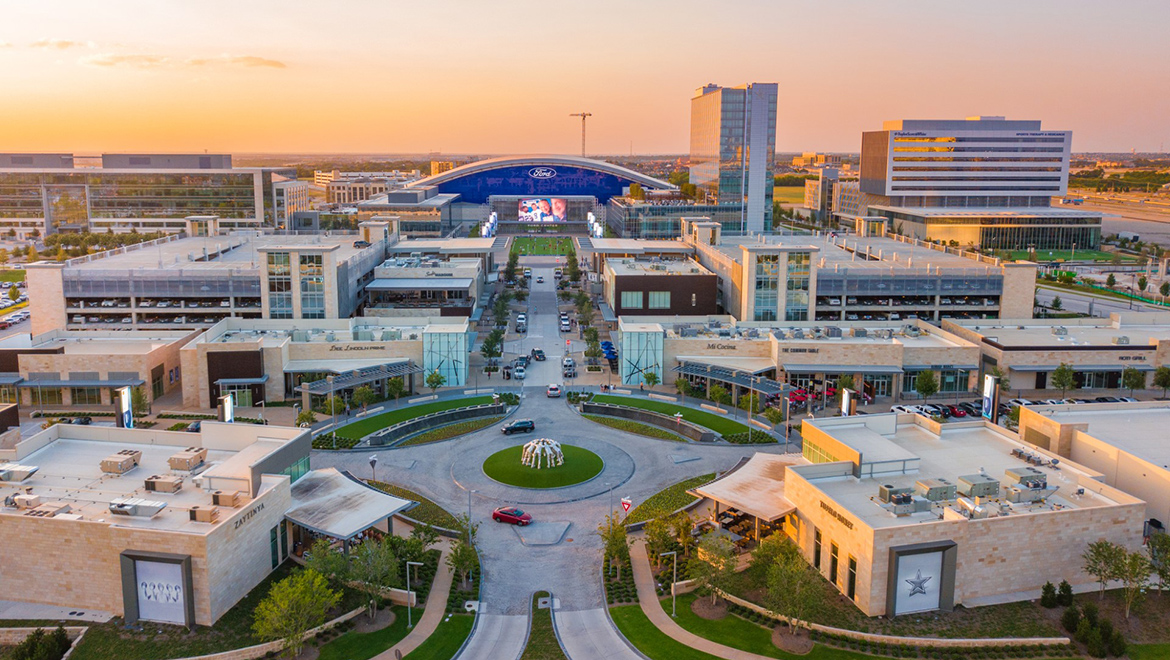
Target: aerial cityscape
pixel 525 331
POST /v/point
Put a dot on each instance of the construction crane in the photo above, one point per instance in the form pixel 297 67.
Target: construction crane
pixel 583 116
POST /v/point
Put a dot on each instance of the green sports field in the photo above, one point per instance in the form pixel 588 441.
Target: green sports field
pixel 542 246
pixel 1068 255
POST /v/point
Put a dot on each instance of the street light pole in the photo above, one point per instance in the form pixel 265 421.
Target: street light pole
pixel 409 609
pixel 607 488
pixel 373 467
pixel 787 418
pixel 673 598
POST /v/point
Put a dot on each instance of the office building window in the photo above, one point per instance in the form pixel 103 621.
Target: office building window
pixel 312 287
pixel 280 303
pixel 46 396
pixel 297 470
pixel 274 545
pixel 8 394
pixel 833 552
pixel 632 300
pixel 796 300
pixel 659 300
pixel 851 580
pixel 86 396
pixel 816 548
pixel 767 287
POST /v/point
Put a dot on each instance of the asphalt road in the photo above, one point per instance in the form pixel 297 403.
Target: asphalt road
pixel 1078 302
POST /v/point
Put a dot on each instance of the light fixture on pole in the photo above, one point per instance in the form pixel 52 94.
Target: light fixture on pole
pixel 469 513
pixel 409 623
pixel 673 598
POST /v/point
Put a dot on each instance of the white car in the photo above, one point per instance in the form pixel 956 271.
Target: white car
pixel 1020 402
pixel 518 373
pixel 568 363
pixel 554 391
pixel 1128 399
pixel 522 318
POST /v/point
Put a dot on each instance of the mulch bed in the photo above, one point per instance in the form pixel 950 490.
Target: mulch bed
pixel 703 609
pixel 797 644
pixel 363 624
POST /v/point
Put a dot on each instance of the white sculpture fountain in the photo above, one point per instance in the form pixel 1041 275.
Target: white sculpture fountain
pixel 542 448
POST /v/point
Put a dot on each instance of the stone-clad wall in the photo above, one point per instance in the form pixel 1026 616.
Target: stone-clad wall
pixel 241 555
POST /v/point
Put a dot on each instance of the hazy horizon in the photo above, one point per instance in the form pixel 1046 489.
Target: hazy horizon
pixel 462 77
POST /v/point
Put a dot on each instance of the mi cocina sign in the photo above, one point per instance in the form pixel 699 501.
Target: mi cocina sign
pixel 542 173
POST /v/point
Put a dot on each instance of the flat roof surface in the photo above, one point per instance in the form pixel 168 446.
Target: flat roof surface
pixel 660 267
pixel 70 472
pixel 234 251
pixel 866 253
pixel 757 487
pixel 95 343
pixel 1025 334
pixel 995 212
pixel 1139 429
pixel 449 245
pixel 419 283
pixel 331 503
pixel 961 449
pixel 637 246
pixel 875 333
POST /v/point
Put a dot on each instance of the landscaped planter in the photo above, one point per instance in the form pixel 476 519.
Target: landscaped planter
pixel 403 430
pixel 665 422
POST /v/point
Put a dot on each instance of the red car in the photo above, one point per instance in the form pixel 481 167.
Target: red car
pixel 511 514
pixel 957 411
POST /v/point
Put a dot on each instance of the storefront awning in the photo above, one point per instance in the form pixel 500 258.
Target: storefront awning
pixel 338 505
pixel 935 367
pixel 754 366
pixel 842 369
pixel 10 378
pixel 1082 367
pixel 420 284
pixel 258 380
pixel 338 366
pixel 607 313
pixel 756 488
pixel 765 386
pixel 97 382
pixel 397 368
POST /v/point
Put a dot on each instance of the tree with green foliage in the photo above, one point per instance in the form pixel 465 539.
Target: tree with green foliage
pixel 1133 571
pixel 1162 379
pixel 659 538
pixel 463 561
pixel 138 402
pixel 591 335
pixel 306 417
pixel 31 254
pixel 333 405
pixel 1064 594
pixel 713 566
pixel 689 190
pixel 1158 547
pixel 395 387
pixel 42 645
pixel 364 396
pixel 794 589
pixel 1164 289
pixel 749 402
pixel 1111 281
pixel 593 351
pixel 1132 379
pixel 719 394
pixel 650 378
pixel 679 177
pixel 292 608
pixel 683 386
pixel 585 317
pixel 1063 378
pixel 13 293
pixel 926 384
pixel 1142 283
pixel 511 265
pixel 3 256
pixel 1057 303
pixel 1048 597
pixel 1102 559
pixel 62 255
pixel 372 568
pixel 493 345
pixel 500 310
pixel 843 383
pixel 682 524
pixel 572 271
pixel 615 542
pixel 435 380
pixel 636 191
pixel 1005 381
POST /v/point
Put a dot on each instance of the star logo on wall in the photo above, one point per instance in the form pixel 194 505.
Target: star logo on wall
pixel 918 583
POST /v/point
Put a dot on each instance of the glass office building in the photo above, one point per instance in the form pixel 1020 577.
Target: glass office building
pixel 629 218
pixel 733 144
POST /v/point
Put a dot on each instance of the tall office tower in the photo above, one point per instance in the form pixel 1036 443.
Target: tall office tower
pixel 976 162
pixel 733 144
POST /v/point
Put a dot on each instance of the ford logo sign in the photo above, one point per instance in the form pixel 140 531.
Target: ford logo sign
pixel 542 173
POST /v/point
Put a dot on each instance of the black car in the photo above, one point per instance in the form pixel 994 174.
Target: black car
pixel 522 361
pixel 195 427
pixel 538 355
pixel 82 421
pixel 361 244
pixel 518 426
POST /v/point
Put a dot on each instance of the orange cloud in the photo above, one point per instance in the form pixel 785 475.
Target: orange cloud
pixel 59 44
pixel 136 61
pixel 238 60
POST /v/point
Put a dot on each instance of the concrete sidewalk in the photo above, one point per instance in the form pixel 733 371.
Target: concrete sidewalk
pixel 652 608
pixel 436 609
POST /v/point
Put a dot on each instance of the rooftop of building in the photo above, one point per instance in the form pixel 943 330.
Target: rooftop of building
pixel 656 266
pixel 101 342
pixel 636 246
pixel 379 202
pixel 901 450
pixel 918 334
pixel 230 251
pixel 69 471
pixel 1137 428
pixel 869 253
pixel 408 266
pixel 1138 328
pixel 444 245
pixel 989 211
pixel 977 123
pixel 270 333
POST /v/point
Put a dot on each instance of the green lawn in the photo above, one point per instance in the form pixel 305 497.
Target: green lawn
pixel 542 639
pixel 363 646
pixel 667 500
pixel 450 431
pixel 426 512
pixel 1148 652
pixel 446 640
pixel 12 275
pixel 580 464
pixel 717 423
pixel 552 245
pixel 788 194
pixel 364 427
pixel 637 428
pixel 655 644
pixel 1067 255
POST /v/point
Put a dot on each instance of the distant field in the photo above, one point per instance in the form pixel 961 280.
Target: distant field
pixel 553 245
pixel 1067 255
pixel 788 194
pixel 12 275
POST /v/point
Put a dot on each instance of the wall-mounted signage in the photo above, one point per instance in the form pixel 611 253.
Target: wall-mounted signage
pixel 990 397
pixel 918 582
pixel 125 408
pixel 160 589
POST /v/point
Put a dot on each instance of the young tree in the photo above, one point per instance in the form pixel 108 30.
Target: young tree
pixel 843 383
pixel 510 267
pixel 1158 548
pixel 1111 281
pixel 572 271
pixel 463 561
pixel 1164 289
pixel 681 524
pixel 713 565
pixel 372 568
pixel 768 552
pixel 13 293
pixel 62 255
pixel 749 402
pixel 493 345
pixel 926 384
pixel 1057 304
pixel 684 386
pixel 615 541
pixel 1162 379
pixel 435 380
pixel 593 351
pixel 3 256
pixel 500 311
pixel 334 405
pixel 651 378
pixel 306 417
pixel 364 396
pixel 1142 283
pixel 139 402
pixel 1005 381
pixel 31 255
pixel 659 537
pixel 719 394
pixel 1132 379
pixel 794 588
pixel 1063 379
pixel 396 387
pixel 585 316
pixel 1102 559
pixel 293 607
pixel 1133 570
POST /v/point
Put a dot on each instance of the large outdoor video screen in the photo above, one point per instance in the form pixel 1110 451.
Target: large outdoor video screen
pixel 544 209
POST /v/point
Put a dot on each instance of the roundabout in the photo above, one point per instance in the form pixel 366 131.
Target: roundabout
pixel 507 467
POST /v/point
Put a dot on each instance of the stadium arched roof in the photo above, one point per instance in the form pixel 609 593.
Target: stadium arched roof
pixel 537 161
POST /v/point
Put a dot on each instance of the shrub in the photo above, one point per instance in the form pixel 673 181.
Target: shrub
pixel 1071 619
pixel 1064 594
pixel 1096 645
pixel 1048 596
pixel 1084 629
pixel 1117 645
pixel 1090 611
pixel 1105 627
pixel 40 645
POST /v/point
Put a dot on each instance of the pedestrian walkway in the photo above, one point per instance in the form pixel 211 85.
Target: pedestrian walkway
pixel 498 637
pixel 587 634
pixel 436 609
pixel 652 608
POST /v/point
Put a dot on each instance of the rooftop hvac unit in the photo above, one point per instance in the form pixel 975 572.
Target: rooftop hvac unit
pixel 204 514
pixel 936 490
pixel 164 484
pixel 974 509
pixel 1121 340
pixel 230 499
pixel 833 332
pixel 798 334
pixel 978 485
pixel 136 506
pixel 48 510
pixel 1060 331
pixel 26 501
pixel 121 462
pixel 857 332
pixel 1019 494
pixel 16 471
pixel 886 492
pixel 1016 475
pixel 188 459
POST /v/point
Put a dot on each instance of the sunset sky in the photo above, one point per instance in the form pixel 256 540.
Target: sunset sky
pixel 467 76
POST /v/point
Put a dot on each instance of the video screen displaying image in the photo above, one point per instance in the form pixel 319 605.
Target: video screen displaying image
pixel 544 210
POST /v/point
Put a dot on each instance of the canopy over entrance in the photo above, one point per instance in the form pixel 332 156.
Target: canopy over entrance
pixel 756 488
pixel 338 505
